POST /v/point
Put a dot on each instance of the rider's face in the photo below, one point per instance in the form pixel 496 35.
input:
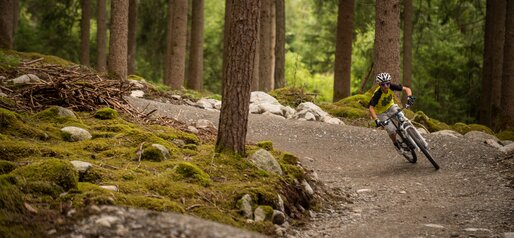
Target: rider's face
pixel 384 86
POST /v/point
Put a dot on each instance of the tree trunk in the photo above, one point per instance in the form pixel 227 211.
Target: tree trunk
pixel 241 45
pixel 407 46
pixel 195 80
pixel 118 39
pixel 169 36
pixel 280 53
pixel 265 48
pixel 84 31
pixel 494 37
pixel 132 29
pixel 386 52
pixel 8 21
pixel 178 45
pixel 507 96
pixel 343 62
pixel 101 36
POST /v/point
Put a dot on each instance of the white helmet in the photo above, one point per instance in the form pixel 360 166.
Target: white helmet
pixel 383 78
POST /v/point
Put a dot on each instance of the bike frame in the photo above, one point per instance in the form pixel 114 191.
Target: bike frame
pixel 402 123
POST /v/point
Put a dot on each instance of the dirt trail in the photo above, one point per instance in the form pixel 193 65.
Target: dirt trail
pixel 380 193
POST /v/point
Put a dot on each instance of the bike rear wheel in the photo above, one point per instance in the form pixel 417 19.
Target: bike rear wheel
pixel 422 147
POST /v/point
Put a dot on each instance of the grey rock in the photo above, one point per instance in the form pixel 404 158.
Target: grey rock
pixel 65 112
pixel 74 134
pixel 260 214
pixel 479 136
pixel 307 187
pixel 81 166
pixel 493 143
pixel 245 205
pixel 449 133
pixel 278 217
pixel 137 93
pixel 259 97
pixel 265 161
pixel 204 124
pixel 25 79
pixel 312 108
pixel 113 188
pixel 272 108
pixel 164 151
pixel 193 129
pixel 508 148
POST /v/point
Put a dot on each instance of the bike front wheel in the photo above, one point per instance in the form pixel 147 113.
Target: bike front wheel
pixel 408 151
pixel 422 147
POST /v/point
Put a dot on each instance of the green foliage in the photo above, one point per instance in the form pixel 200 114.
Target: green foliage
pixel 298 76
pixel 8 61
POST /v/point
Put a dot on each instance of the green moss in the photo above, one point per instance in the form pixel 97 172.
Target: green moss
pixel 267 145
pixel 7 101
pixel 191 147
pixel 214 214
pixel 293 97
pixel 152 154
pixel 290 159
pixel 155 204
pixel 55 171
pixel 431 124
pixel 48 59
pixel 460 127
pixel 52 114
pixel 268 212
pixel 12 150
pixel 351 107
pixel 106 113
pixel 482 128
pixel 6 167
pixel 8 119
pixel 88 193
pixel 11 199
pixel 8 60
pixel 135 77
pixel 191 172
pixel 506 135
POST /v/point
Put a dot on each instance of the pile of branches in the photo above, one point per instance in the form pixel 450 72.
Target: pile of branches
pixel 79 89
pixel 74 87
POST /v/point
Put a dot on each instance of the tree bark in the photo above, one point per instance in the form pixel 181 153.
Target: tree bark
pixel 195 80
pixel 280 53
pixel 178 47
pixel 265 48
pixel 169 37
pixel 8 21
pixel 118 39
pixel 84 31
pixel 132 29
pixel 241 45
pixel 507 95
pixel 494 37
pixel 386 52
pixel 101 36
pixel 407 46
pixel 343 61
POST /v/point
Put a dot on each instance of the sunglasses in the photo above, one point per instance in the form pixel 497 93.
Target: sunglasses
pixel 384 84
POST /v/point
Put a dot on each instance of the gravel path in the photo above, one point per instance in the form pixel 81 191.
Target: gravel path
pixel 380 193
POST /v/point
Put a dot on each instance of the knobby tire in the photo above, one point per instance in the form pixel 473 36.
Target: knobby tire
pixel 414 157
pixel 422 147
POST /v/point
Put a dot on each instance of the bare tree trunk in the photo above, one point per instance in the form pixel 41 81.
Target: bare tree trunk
pixel 241 45
pixel 101 36
pixel 178 46
pixel 169 35
pixel 407 45
pixel 8 22
pixel 195 80
pixel 118 39
pixel 493 58
pixel 84 32
pixel 507 99
pixel 343 62
pixel 386 53
pixel 280 53
pixel 132 29
pixel 266 48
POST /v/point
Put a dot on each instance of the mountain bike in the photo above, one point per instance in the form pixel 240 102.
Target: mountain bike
pixel 409 138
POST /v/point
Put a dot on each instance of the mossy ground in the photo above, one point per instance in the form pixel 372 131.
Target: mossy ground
pixel 195 180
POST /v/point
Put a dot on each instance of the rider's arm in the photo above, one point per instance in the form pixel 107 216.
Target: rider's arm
pixel 372 112
pixel 407 91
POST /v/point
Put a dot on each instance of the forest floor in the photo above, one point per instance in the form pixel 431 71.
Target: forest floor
pixel 377 192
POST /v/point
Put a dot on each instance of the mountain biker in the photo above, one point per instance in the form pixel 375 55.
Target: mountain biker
pixel 382 106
